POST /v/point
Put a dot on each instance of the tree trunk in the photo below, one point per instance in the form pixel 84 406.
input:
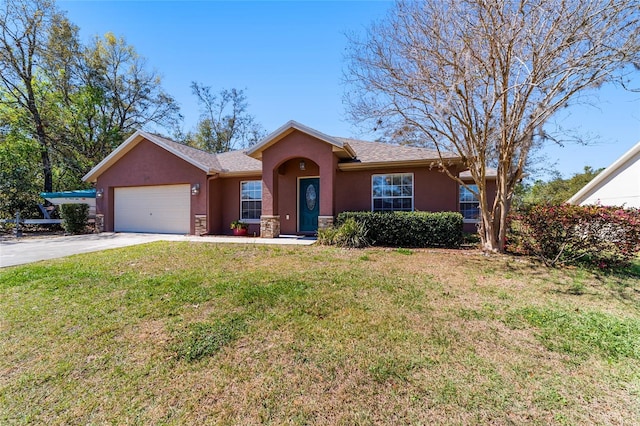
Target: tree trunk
pixel 46 167
pixel 494 221
pixel 42 140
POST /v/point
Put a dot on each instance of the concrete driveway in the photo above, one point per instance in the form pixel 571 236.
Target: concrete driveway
pixel 21 251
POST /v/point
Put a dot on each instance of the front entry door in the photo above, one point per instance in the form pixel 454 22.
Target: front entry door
pixel 308 204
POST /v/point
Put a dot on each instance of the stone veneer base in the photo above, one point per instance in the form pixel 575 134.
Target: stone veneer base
pixel 200 224
pixel 269 226
pixel 325 222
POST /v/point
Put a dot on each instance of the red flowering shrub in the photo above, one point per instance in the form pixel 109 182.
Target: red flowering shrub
pixel 567 234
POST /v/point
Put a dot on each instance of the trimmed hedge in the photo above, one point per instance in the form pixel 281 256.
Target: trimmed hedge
pixel 409 229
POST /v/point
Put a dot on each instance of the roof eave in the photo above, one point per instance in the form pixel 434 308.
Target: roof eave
pixel 253 173
pixel 432 163
pixel 583 193
pixel 130 143
pixel 178 154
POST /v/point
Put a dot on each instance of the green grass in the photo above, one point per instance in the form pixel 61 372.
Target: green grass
pixel 194 333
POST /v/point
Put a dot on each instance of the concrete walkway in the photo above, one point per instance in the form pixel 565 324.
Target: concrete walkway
pixel 28 250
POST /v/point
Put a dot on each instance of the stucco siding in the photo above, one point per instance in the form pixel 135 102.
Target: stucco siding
pixel 288 176
pixel 148 164
pixel 281 170
pixel 229 207
pixel 433 190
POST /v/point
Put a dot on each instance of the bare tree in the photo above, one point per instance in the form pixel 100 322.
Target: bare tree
pixel 480 78
pixel 225 123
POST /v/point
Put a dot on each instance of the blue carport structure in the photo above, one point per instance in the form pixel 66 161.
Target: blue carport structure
pixel 81 196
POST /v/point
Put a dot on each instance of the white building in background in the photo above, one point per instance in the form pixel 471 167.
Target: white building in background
pixel 617 185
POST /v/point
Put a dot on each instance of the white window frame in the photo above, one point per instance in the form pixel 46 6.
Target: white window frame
pixel 241 201
pixel 384 175
pixel 460 202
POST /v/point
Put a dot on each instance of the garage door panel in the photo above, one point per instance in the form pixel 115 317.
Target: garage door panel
pixel 161 209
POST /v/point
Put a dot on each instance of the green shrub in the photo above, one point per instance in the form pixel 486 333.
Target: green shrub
pixel 327 236
pixel 350 234
pixel 409 229
pixel 75 217
pixel 566 234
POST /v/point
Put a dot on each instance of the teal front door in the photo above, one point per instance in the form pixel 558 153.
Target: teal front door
pixel 308 204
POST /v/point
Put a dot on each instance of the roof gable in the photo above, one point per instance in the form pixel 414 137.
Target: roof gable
pixel 602 177
pixel 342 149
pixel 200 159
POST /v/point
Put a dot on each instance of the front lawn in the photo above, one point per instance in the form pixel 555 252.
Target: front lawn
pixel 195 333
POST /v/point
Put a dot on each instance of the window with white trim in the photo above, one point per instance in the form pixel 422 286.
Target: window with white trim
pixel 250 200
pixel 392 192
pixel 469 204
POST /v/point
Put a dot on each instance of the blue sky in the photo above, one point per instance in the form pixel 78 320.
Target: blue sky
pixel 288 57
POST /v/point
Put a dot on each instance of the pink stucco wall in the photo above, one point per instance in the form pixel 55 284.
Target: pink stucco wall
pixel 227 206
pixel 433 190
pixel 296 146
pixel 288 175
pixel 148 164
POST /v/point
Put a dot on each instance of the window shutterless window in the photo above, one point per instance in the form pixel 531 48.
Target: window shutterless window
pixel 250 200
pixel 469 205
pixel 392 192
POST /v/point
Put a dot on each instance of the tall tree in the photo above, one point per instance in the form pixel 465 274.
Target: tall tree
pixel 24 26
pixel 114 94
pixel 134 97
pixel 77 102
pixel 224 123
pixel 480 78
pixel 20 173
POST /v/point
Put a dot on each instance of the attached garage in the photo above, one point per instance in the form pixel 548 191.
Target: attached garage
pixel 157 209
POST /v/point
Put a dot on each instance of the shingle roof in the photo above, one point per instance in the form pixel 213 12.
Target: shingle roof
pixel 227 162
pixel 238 162
pixel 366 152
pixel 379 152
pixel 197 155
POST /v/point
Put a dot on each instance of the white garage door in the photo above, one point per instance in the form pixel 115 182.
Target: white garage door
pixel 162 209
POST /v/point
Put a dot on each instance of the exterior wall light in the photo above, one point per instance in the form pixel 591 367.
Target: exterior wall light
pixel 303 166
pixel 99 192
pixel 195 189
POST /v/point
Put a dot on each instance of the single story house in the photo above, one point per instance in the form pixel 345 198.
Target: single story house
pixel 617 185
pixel 295 181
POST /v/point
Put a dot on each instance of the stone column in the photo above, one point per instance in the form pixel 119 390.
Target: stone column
pixel 269 226
pixel 200 224
pixel 99 223
pixel 325 222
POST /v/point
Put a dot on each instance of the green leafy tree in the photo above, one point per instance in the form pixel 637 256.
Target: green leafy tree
pixel 75 103
pixel 19 170
pixel 24 26
pixel 556 190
